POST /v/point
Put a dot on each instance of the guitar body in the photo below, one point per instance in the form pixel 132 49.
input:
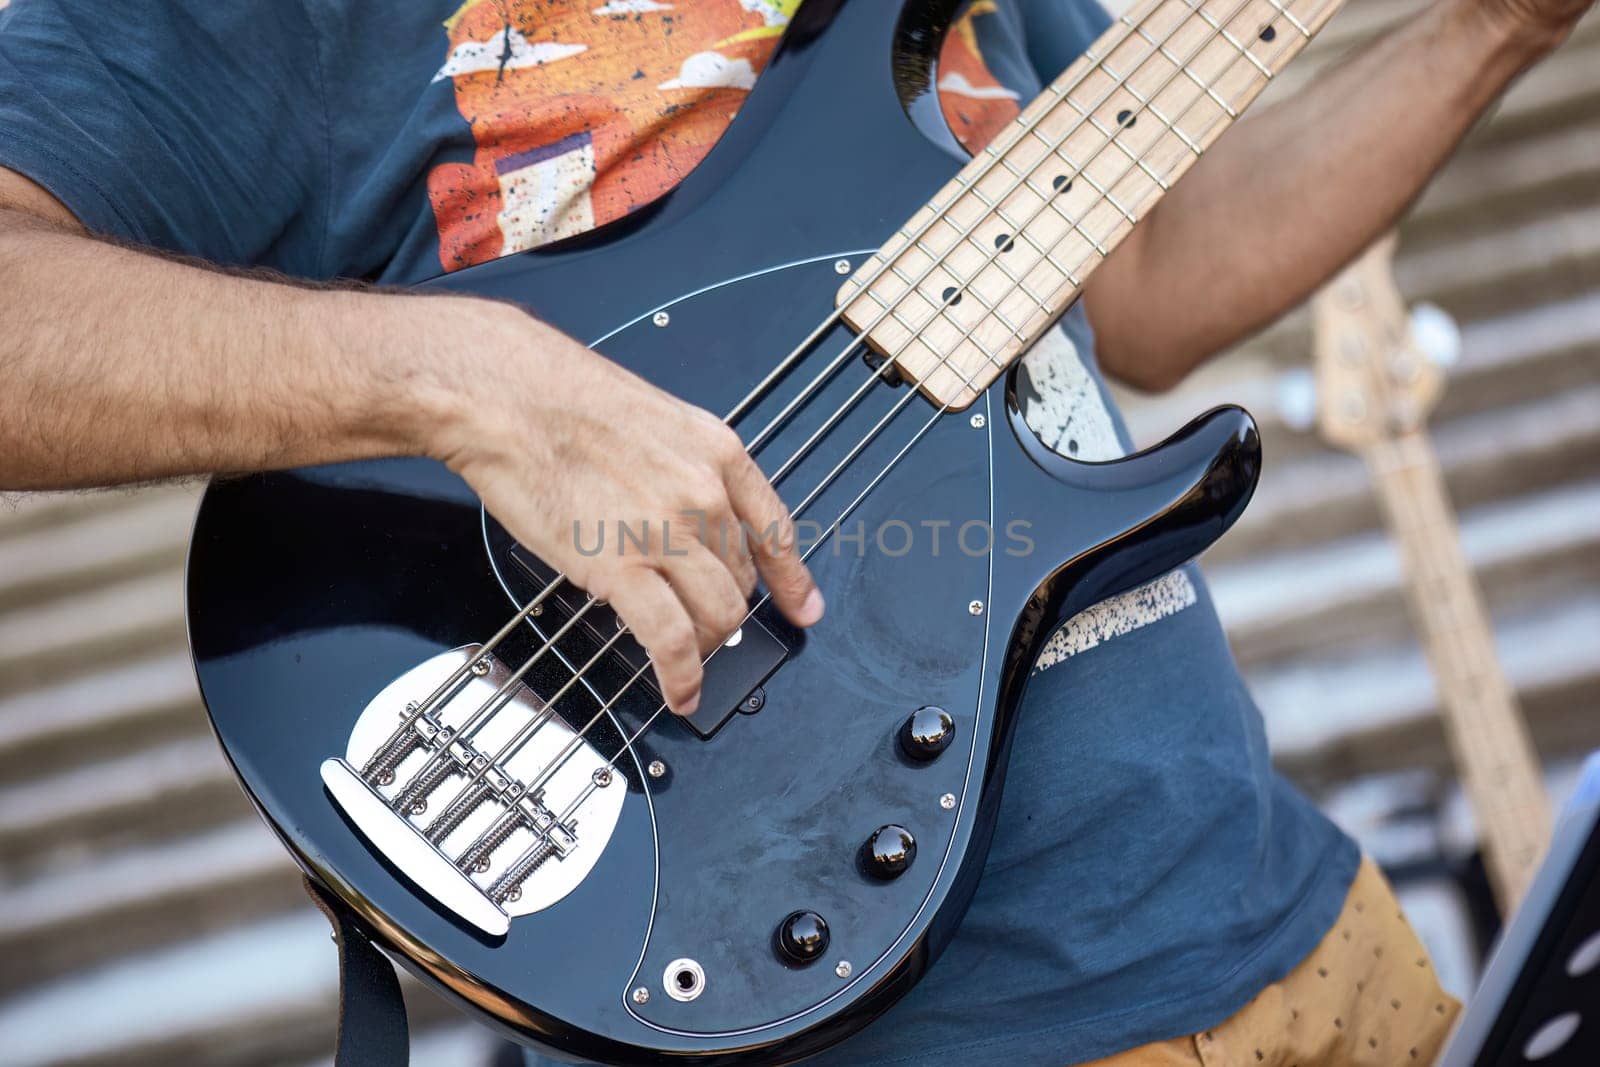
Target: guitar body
pixel 311 591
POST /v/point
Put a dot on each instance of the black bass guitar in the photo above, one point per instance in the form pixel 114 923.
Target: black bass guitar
pixel 470 756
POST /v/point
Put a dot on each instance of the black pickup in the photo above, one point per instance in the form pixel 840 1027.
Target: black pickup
pixel 732 676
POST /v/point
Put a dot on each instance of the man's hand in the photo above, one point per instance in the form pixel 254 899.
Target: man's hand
pixel 119 367
pixel 567 448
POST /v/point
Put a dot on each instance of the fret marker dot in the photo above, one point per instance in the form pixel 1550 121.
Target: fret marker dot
pixel 1004 242
pixel 949 293
pixel 1269 33
pixel 1125 119
pixel 1061 183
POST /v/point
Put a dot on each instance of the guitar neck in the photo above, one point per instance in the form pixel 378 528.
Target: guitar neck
pixel 1486 732
pixel 974 278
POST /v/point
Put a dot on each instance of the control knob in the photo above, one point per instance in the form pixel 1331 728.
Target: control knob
pixel 927 733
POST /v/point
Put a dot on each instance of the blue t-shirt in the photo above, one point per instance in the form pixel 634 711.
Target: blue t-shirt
pixel 1151 872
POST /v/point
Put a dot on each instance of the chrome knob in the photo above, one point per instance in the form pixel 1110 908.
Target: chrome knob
pixel 888 852
pixel 802 936
pixel 927 733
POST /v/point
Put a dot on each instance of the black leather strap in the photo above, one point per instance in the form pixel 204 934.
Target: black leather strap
pixel 372 1016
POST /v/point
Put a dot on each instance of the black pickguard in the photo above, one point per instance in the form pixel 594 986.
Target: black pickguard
pixel 310 590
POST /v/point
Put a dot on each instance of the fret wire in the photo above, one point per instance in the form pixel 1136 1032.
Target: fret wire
pixel 1169 126
pixel 1018 283
pixel 999 212
pixel 629 741
pixel 937 210
pixel 1137 159
pixel 1059 90
pixel 1222 32
pixel 1105 194
pixel 1109 135
pixel 1025 124
pixel 1149 105
pixel 653 717
pixel 1022 285
pixel 1286 13
pixel 1023 235
pixel 965 284
pixel 1199 82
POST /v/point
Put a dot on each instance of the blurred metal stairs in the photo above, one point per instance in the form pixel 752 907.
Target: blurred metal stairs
pixel 148 918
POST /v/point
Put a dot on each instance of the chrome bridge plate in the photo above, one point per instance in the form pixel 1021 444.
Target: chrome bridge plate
pixel 539 856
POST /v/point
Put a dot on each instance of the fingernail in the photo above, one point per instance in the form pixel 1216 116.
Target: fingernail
pixel 811 611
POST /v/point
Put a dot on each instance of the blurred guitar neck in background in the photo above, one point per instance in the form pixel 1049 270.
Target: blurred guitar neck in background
pixel 1379 374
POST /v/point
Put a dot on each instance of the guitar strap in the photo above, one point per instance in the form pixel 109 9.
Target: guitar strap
pixel 372 1016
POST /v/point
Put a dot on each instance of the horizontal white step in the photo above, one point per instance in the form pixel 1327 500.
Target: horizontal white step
pixel 282 968
pixel 109 881
pixel 1262 599
pixel 264 991
pixel 144 785
pixel 1318 703
pixel 21 513
pixel 1492 268
pixel 151 531
pixel 1495 353
pixel 84 708
pixel 1320 496
pixel 59 638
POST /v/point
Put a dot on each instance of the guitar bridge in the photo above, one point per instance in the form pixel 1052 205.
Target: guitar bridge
pixel 476 796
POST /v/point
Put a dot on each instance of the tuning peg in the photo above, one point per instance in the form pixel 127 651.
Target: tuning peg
pixel 1437 334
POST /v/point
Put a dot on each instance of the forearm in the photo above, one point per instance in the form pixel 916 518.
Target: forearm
pixel 1286 198
pixel 120 366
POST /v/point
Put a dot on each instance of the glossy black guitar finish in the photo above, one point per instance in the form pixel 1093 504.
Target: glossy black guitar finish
pixel 312 590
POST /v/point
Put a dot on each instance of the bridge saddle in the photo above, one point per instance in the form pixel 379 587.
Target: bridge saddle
pixel 474 795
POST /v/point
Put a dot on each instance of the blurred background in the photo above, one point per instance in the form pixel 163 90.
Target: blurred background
pixel 148 917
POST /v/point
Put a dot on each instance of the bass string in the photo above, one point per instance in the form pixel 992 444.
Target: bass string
pixel 1019 129
pixel 519 739
pixel 627 745
pixel 1016 130
pixel 765 385
pixel 500 697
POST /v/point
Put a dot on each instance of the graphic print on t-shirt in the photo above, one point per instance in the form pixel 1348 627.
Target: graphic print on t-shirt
pixel 1068 413
pixel 584 110
pixel 974 103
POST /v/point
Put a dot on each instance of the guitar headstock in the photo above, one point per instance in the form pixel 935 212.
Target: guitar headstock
pixel 1374 380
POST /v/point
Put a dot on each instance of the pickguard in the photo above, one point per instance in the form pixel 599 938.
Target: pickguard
pixel 769 815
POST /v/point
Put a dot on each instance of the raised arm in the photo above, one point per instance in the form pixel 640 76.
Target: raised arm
pixel 1286 198
pixel 120 366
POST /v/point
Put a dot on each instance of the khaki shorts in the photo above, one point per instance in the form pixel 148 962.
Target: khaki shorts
pixel 1365 997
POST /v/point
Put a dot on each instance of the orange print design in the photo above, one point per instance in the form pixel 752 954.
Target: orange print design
pixel 583 110
pixel 975 105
